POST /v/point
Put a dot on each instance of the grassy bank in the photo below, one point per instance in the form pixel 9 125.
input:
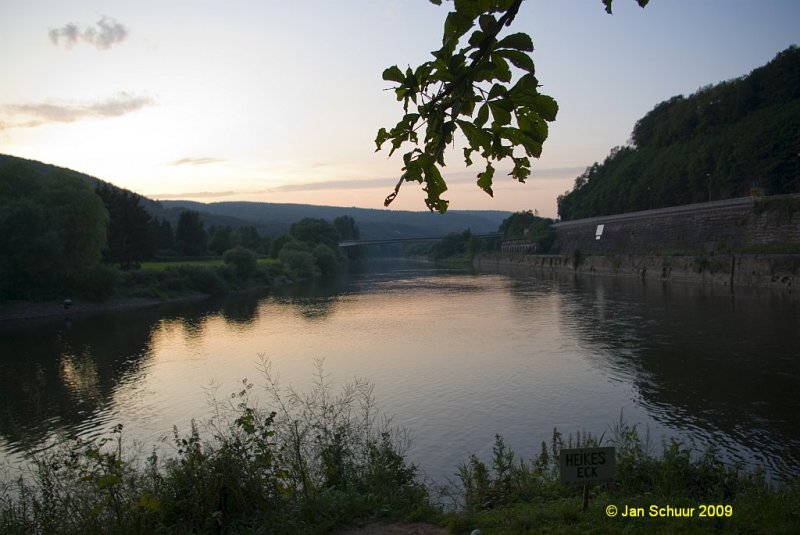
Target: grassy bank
pixel 313 462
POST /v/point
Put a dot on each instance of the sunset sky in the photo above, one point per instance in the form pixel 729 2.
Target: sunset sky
pixel 280 101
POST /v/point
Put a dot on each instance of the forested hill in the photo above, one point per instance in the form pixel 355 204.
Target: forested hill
pixel 711 145
pixel 12 165
pixel 272 219
pixel 275 218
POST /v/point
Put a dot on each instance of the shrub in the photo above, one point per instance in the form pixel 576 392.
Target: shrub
pixel 99 282
pixel 316 461
pixel 326 260
pixel 243 260
pixel 204 280
pixel 299 263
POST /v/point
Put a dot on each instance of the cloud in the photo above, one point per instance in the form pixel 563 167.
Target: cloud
pixel 463 177
pixel 103 35
pixel 196 161
pixel 38 114
pixel 194 195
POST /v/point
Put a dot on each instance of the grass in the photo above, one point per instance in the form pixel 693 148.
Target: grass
pixel 161 265
pixel 313 462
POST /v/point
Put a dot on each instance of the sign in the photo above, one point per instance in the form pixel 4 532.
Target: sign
pixel 587 465
pixel 599 231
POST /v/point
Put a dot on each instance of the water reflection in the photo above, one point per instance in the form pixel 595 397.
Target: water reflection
pixel 720 366
pixel 66 373
pixel 457 357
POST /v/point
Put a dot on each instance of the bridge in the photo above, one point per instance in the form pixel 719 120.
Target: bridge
pixel 422 239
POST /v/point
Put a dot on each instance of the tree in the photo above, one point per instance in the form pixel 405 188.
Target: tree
pixel 243 260
pixel 277 244
pixel 130 237
pixel 460 89
pixel 164 237
pixel 221 240
pixel 346 227
pixel 190 234
pixel 52 230
pixel 313 231
pixel 249 238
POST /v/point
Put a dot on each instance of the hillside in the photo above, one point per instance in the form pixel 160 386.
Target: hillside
pixel 275 219
pixel 712 145
pixel 12 165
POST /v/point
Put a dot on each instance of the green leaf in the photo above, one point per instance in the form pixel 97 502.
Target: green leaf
pixel 148 501
pixel 467 153
pixel 501 115
pixel 455 26
pixel 476 38
pixel 496 91
pixel 394 74
pixel 520 60
pixel 485 179
pixel 435 186
pixel 476 136
pixel 483 116
pixel 518 41
pixel 501 70
pixel 382 136
pixel 533 126
pixel 546 106
pixel 522 169
pixel 487 23
pixel 468 8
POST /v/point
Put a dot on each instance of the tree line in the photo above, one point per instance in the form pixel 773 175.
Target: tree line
pixel 58 234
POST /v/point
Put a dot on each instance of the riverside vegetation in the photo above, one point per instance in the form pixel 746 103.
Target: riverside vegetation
pixel 314 462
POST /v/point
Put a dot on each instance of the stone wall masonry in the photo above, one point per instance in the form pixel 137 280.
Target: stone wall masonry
pixel 776 271
pixel 735 225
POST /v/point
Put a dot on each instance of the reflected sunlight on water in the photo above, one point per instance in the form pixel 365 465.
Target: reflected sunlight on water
pixel 456 358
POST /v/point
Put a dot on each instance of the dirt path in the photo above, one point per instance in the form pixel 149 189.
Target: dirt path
pixel 378 528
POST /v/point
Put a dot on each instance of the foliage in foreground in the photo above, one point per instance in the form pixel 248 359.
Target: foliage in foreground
pixel 312 462
pixel 512 495
pixel 316 461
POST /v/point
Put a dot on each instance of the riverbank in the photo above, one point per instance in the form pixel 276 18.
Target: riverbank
pixel 770 271
pixel 15 313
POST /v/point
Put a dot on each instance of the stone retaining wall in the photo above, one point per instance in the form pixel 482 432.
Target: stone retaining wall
pixel 778 271
pixel 736 225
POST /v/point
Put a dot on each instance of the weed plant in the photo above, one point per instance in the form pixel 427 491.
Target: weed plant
pixel 512 495
pixel 311 462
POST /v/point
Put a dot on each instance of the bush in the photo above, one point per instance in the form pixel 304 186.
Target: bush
pixel 326 260
pixel 203 280
pixel 299 263
pixel 317 461
pixel 243 260
pixel 99 283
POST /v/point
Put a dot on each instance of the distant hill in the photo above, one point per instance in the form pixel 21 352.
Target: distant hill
pixel 711 145
pixel 275 219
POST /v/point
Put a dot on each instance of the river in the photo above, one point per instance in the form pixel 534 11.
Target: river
pixel 455 357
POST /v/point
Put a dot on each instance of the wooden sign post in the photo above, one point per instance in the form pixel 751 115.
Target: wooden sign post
pixel 587 466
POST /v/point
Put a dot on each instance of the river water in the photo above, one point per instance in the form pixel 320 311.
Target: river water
pixel 455 357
